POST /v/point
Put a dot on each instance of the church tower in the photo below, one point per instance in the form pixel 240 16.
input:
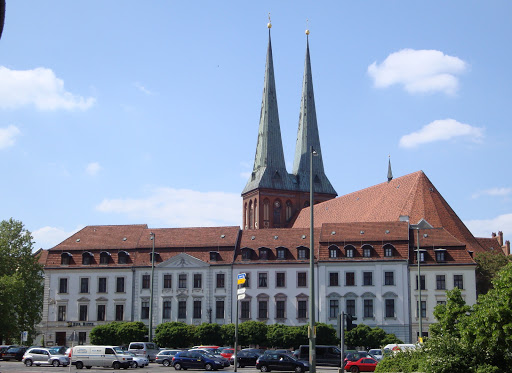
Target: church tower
pixel 272 197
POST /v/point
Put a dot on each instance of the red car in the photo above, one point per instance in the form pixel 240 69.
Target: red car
pixel 227 352
pixel 365 364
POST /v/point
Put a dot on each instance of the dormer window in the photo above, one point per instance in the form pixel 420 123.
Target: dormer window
pixel 246 253
pixel 440 255
pixel 87 258
pixel 281 253
pixel 263 253
pixel 349 251
pixel 422 255
pixel 151 257
pixel 333 252
pixel 302 253
pixel 214 256
pixel 104 257
pixel 388 250
pixel 122 257
pixel 367 251
pixel 65 258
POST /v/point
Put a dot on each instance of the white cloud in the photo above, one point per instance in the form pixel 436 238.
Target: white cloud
pixel 493 192
pixel 441 130
pixel 143 89
pixel 93 168
pixel 39 87
pixel 419 71
pixel 485 227
pixel 48 237
pixel 8 136
pixel 179 208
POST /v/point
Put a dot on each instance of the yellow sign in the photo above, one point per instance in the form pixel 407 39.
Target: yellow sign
pixel 241 281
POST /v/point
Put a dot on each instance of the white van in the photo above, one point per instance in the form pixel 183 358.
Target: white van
pixel 99 356
pixel 147 349
pixel 399 347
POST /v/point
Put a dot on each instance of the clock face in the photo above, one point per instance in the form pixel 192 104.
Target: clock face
pixel 277 204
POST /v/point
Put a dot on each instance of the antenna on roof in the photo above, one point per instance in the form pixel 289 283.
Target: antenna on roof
pixel 390 174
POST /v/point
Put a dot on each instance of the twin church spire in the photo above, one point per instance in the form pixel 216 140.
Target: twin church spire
pixel 270 182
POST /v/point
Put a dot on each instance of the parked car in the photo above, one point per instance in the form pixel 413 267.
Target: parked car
pixel 207 352
pixel 364 364
pixel 146 349
pixel 195 360
pixel 164 357
pixel 227 352
pixel 245 358
pixel 377 353
pixel 277 361
pixel 44 356
pixel 14 353
pixel 138 361
pixel 325 355
pixel 59 350
pixel 4 349
pixel 355 356
pixel 100 356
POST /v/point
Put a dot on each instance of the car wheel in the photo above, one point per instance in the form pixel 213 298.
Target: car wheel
pixel 134 364
pixel 299 369
pixel 264 368
pixel 166 363
pixel 55 363
pixel 177 366
pixel 79 365
pixel 116 365
pixel 354 369
pixel 88 367
pixel 28 363
pixel 208 366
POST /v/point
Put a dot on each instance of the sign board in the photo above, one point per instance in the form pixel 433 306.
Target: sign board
pixel 241 291
pixel 24 336
pixel 241 278
pixel 241 296
pixel 73 336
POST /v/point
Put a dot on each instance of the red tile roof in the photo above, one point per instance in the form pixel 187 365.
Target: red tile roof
pixel 490 244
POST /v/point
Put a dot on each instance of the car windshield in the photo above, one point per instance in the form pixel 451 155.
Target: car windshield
pixel 57 350
pixel 119 350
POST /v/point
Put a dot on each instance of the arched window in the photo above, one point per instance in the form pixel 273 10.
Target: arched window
pixel 288 210
pixel 87 258
pixel 333 251
pixel 367 250
pixel 277 214
pixel 246 217
pixel 65 258
pixel 266 213
pixel 251 215
pixel 389 250
pixel 350 251
pixel 122 257
pixel 256 214
pixel 104 257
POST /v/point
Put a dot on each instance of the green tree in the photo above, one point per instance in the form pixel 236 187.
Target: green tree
pixel 364 336
pixel 131 331
pixel 227 334
pixel 252 333
pixel 104 334
pixel 21 282
pixel 488 264
pixel 174 335
pixel 276 335
pixel 326 334
pixel 208 334
pixel 450 315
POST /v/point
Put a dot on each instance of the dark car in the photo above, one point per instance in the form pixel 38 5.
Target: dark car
pixel 164 357
pixel 3 349
pixel 277 361
pixel 355 356
pixel 195 360
pixel 365 364
pixel 325 355
pixel 245 358
pixel 14 353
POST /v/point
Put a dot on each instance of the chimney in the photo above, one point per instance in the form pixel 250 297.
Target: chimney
pixel 507 247
pixel 493 234
pixel 500 238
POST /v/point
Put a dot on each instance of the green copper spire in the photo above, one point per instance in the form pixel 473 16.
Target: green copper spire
pixel 308 136
pixel 269 169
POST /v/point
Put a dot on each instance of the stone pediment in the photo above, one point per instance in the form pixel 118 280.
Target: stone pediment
pixel 183 261
pixel 101 299
pixel 83 299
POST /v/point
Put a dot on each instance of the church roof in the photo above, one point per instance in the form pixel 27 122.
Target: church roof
pixel 411 195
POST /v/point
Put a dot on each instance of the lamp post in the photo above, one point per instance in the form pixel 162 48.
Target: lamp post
pixel 152 235
pixel 312 336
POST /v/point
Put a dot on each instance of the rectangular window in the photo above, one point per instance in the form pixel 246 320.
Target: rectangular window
pixel 423 308
pixel 440 256
pixel 219 309
pixel 440 282
pixel 263 254
pixel 301 279
pixel 82 337
pixel 221 281
pixel 280 279
pixel 144 310
pixel 458 281
pixel 388 251
pixel 84 285
pixel 166 310
pixel 368 308
pixel 333 253
pixel 333 279
pixel 101 312
pixel 351 307
pixel 82 312
pixel 182 281
pixel 389 278
pixel 367 252
pixel 120 284
pixel 350 279
pixel 104 258
pixel 281 254
pixel 63 285
pixel 198 281
pixel 334 308
pixel 119 312
pixel 390 308
pixel 280 309
pixel 146 280
pixel 245 309
pixel 167 281
pixel 302 309
pixel 367 278
pixel 350 253
pixel 61 313
pixel 263 309
pixel 262 280
pixel 182 309
pixel 422 282
pixel 197 309
pixel 443 302
pixel 247 283
pixel 302 254
pixel 102 285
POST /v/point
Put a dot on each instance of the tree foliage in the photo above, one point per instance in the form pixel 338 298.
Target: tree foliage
pixel 488 264
pixel 21 282
pixel 364 336
pixel 174 335
pixel 252 333
pixel 118 333
pixel 208 334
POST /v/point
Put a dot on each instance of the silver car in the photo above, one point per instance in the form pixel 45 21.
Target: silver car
pixel 44 356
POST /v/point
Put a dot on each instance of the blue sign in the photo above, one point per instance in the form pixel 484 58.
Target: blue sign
pixel 241 276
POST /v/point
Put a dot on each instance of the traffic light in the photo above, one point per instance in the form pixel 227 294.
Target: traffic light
pixel 350 324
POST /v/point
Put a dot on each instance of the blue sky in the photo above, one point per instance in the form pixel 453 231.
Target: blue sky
pixel 113 112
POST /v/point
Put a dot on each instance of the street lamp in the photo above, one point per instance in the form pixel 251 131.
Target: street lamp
pixel 312 336
pixel 152 235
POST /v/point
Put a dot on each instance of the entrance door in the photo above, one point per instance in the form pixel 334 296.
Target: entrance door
pixel 60 339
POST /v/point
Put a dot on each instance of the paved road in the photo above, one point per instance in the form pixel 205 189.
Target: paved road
pixel 18 367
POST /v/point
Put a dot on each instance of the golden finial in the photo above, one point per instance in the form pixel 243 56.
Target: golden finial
pixel 269 24
pixel 307 30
